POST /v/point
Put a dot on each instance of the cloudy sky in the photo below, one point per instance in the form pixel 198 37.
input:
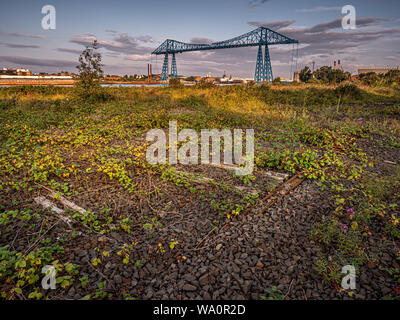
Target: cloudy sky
pixel 129 30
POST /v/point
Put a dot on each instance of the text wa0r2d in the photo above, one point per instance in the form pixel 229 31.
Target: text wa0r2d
pixel 221 309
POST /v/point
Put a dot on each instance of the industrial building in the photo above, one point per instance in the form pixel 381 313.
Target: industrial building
pixel 376 70
pixel 15 72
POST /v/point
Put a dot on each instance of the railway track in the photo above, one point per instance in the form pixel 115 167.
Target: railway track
pixel 264 204
pixel 277 194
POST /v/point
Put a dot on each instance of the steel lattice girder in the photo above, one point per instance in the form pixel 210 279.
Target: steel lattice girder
pixel 261 35
pixel 259 74
pixel 267 66
pixel 174 69
pixel 164 73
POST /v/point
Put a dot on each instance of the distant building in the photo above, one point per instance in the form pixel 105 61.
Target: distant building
pixel 284 80
pixel 64 73
pixel 8 72
pixel 24 72
pixel 112 78
pixel 224 79
pixel 21 73
pixel 376 70
pixel 248 80
pixel 296 76
pixel 210 79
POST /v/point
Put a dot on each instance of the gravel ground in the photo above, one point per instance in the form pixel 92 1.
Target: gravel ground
pixel 252 254
pixel 246 257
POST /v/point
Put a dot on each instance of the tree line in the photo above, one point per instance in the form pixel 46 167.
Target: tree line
pixel 329 75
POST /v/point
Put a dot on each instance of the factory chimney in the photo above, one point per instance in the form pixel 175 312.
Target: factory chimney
pixel 334 65
pixel 339 65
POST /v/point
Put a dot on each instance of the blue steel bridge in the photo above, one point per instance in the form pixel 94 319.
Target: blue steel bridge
pixel 261 37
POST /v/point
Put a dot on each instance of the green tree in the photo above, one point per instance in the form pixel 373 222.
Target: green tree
pixel 392 77
pixel 305 74
pixel 323 73
pixel 90 69
pixel 277 80
pixel 369 78
pixel 340 76
pixel 332 76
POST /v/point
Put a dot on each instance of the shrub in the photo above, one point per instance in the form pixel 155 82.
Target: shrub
pixel 88 87
pixel 93 94
pixel 305 74
pixel 370 78
pixel 175 83
pixel 7 103
pixel 349 90
pixel 203 84
pixel 328 75
pixel 265 86
pixel 277 81
pixel 40 90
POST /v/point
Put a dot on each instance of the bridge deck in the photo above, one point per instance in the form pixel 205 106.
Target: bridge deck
pixel 261 35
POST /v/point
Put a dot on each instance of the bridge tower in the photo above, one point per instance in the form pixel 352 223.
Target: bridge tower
pixel 259 74
pixel 164 73
pixel 267 66
pixel 263 66
pixel 174 69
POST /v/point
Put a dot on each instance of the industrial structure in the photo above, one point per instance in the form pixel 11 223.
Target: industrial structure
pixel 15 72
pixel 259 37
pixel 375 70
pixel 339 65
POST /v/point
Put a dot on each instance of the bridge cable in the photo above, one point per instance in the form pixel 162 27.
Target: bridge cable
pixel 291 62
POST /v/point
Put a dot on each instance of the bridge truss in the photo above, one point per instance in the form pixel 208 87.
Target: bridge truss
pixel 261 37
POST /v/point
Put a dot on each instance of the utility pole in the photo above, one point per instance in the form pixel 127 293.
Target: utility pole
pixel 149 73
